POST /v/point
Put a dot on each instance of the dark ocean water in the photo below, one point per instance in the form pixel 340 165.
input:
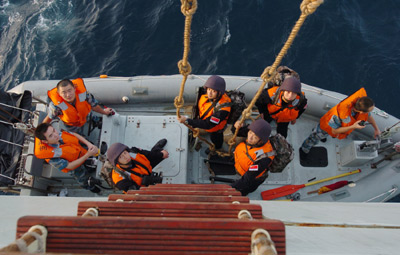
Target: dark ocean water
pixel 345 44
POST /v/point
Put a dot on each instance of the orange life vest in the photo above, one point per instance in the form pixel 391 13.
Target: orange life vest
pixel 343 111
pixel 224 104
pixel 244 152
pixel 71 150
pixel 289 113
pixel 142 167
pixel 72 116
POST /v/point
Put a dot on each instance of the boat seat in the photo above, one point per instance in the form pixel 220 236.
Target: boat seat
pixel 178 198
pixel 144 235
pixel 168 209
pixel 186 192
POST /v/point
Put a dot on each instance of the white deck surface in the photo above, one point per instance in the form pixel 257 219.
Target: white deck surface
pixel 375 227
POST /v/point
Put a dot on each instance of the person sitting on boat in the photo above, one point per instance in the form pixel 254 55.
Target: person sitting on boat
pixel 253 156
pixel 63 150
pixel 70 102
pixel 214 108
pixel 135 170
pixel 342 119
pixel 284 104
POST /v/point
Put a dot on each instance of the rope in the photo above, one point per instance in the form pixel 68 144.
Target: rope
pixel 188 9
pixel 307 7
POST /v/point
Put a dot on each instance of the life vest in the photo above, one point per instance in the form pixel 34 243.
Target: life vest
pixel 286 114
pixel 343 111
pixel 72 116
pixel 71 150
pixel 142 168
pixel 224 104
pixel 246 156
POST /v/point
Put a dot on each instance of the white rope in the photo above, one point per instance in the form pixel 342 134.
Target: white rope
pixel 391 192
pixel 17 108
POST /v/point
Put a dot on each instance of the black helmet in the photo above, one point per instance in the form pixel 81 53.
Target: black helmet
pixel 217 83
pixel 292 84
pixel 115 151
pixel 262 129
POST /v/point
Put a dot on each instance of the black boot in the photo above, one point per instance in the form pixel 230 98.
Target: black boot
pixel 160 144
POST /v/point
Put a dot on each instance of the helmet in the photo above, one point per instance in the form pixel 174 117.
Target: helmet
pixel 217 83
pixel 292 84
pixel 115 151
pixel 262 129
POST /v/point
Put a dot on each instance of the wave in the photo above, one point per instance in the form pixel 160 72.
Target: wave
pixel 345 44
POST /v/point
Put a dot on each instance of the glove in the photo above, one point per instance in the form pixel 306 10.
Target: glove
pixel 152 179
pixel 134 150
pixel 93 181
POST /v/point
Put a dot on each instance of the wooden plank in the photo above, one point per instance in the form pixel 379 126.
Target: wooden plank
pixel 188 187
pixel 194 186
pixel 217 199
pixel 143 235
pixel 187 192
pixel 168 209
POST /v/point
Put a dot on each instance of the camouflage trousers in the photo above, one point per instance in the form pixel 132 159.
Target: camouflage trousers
pixel 82 175
pixel 317 135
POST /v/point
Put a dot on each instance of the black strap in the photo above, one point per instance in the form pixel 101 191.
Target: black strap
pixel 209 109
pixel 135 173
pixel 248 155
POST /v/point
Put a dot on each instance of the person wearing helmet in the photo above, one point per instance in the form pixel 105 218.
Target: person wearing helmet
pixel 214 108
pixel 283 104
pixel 253 156
pixel 135 170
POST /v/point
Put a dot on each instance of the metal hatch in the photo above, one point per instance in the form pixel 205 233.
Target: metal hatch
pixel 143 132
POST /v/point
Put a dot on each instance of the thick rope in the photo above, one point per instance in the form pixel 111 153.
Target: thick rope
pixel 188 8
pixel 307 7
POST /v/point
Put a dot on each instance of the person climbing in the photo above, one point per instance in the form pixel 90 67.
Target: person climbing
pixel 64 151
pixel 253 156
pixel 214 108
pixel 341 120
pixel 71 103
pixel 135 170
pixel 284 104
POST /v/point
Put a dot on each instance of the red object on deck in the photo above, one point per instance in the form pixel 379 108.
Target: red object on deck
pixel 143 235
pixel 184 223
pixel 168 209
pixel 185 192
pixel 177 198
pixel 332 186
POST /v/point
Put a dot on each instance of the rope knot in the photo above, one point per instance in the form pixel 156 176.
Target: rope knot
pixel 196 132
pixel 178 102
pixel 267 74
pixel 246 113
pixel 307 7
pixel 188 7
pixel 185 70
pixel 232 141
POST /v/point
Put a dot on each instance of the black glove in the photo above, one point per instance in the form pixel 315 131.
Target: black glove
pixel 93 181
pixel 134 150
pixel 152 179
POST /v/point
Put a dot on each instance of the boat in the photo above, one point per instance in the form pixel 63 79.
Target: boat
pixel 145 114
